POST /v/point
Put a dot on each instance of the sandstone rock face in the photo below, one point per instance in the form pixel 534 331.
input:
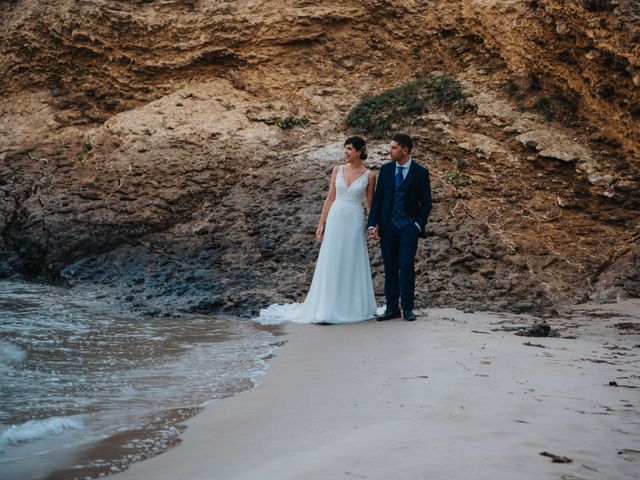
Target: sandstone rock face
pixel 141 146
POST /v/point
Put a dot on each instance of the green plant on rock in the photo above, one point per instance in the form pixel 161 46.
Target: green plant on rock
pixel 445 91
pixel 543 107
pixel 379 115
pixel 290 122
pixel 87 145
pixel 455 176
pixel 465 105
pixel 512 87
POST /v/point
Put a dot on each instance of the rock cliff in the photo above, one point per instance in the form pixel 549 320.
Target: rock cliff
pixel 143 147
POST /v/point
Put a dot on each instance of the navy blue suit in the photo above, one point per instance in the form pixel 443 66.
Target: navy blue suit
pixel 400 244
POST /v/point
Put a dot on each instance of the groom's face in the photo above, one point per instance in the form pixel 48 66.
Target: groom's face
pixel 397 153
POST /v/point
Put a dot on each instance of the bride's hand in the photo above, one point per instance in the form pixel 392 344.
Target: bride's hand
pixel 319 232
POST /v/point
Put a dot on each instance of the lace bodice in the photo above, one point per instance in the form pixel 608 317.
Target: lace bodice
pixel 353 193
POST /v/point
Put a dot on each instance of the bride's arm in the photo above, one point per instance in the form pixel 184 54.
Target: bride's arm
pixel 371 187
pixel 331 196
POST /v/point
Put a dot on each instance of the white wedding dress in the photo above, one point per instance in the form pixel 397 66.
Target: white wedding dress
pixel 341 290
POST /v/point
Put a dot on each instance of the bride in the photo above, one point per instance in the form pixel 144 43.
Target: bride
pixel 341 290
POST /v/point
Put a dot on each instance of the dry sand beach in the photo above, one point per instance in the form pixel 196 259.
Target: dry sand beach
pixel 452 396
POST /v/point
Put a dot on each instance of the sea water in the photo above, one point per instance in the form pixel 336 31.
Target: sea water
pixel 87 389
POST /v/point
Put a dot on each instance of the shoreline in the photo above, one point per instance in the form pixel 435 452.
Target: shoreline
pixel 90 390
pixel 453 395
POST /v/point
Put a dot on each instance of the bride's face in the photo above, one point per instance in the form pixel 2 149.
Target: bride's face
pixel 350 153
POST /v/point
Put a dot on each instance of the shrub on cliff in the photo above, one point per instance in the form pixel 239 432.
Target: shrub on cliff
pixel 380 115
pixel 455 177
pixel 290 122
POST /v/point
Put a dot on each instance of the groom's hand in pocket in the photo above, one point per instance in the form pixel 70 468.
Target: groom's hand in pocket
pixel 373 233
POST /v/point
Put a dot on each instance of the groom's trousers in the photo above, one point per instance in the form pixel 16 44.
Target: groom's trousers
pixel 399 247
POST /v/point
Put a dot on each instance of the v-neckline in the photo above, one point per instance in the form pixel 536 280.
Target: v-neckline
pixel 344 180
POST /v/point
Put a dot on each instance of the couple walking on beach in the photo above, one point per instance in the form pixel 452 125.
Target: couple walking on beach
pixel 398 205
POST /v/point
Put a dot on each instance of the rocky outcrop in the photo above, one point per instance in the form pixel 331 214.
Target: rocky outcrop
pixel 142 145
pixel 580 55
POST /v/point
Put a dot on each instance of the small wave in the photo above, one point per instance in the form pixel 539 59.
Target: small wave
pixel 10 353
pixel 37 429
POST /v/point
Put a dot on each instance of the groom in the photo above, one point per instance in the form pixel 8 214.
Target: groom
pixel 398 216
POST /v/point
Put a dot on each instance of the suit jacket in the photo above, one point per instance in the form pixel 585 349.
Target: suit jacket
pixel 417 202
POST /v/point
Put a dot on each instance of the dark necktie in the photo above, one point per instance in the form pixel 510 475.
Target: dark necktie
pixel 399 176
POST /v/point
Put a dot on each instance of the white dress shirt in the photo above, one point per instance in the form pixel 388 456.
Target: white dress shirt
pixel 405 168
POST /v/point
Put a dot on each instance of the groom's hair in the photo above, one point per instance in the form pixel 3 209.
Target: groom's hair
pixel 404 140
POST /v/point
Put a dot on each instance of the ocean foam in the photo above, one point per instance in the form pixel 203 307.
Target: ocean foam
pixel 10 353
pixel 37 429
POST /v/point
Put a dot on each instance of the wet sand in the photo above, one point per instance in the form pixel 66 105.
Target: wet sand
pixel 451 396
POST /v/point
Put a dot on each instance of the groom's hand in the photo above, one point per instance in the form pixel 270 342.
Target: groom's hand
pixel 373 233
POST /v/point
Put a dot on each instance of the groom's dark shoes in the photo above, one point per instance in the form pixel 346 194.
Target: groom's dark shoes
pixel 389 315
pixel 409 316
